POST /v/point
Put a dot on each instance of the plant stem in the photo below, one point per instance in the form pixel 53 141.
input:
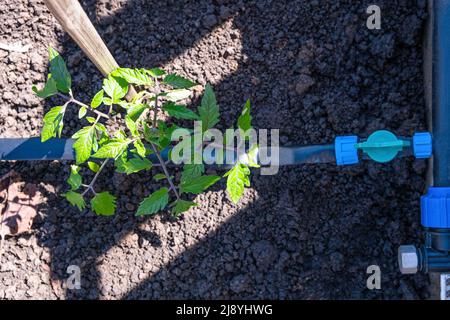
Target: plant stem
pixel 155 111
pixel 155 149
pixel 72 99
pixel 166 172
pixel 91 185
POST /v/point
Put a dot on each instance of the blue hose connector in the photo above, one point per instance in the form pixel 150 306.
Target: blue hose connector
pixel 435 208
pixel 345 150
pixel 422 145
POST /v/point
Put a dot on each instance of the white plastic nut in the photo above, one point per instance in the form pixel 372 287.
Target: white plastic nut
pixel 408 259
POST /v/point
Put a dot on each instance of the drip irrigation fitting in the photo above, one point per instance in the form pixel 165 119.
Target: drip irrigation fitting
pixel 343 152
pixel 382 146
pixel 434 254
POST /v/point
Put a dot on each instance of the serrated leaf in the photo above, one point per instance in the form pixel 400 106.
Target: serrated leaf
pixel 82 112
pixel 159 176
pixel 237 179
pixel 197 185
pixel 134 76
pixel 49 89
pixel 90 119
pixel 97 99
pixel 133 165
pixel 136 110
pixel 75 199
pixel 84 144
pixel 179 112
pixel 107 101
pixel 155 72
pixel 140 148
pixel 112 149
pixel 245 119
pixel 182 206
pixel 154 203
pixel 208 110
pixel 103 204
pixel 93 166
pixel 178 82
pixel 131 125
pixel 191 171
pixel 53 123
pixel 253 156
pixel 115 87
pixel 74 179
pixel 101 127
pixel 120 135
pixel 177 94
pixel 59 71
pixel 138 96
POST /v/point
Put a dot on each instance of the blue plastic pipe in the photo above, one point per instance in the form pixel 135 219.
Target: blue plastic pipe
pixel 61 149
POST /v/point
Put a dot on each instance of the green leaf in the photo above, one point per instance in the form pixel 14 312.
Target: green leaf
pixel 53 123
pixel 115 87
pixel 245 119
pixel 90 119
pixel 93 166
pixel 138 96
pixel 177 94
pixel 150 135
pixel 197 185
pixel 112 149
pixel 157 201
pixel 75 199
pixel 253 156
pixel 107 101
pixel 208 110
pixel 85 142
pixel 101 127
pixel 179 112
pixel 59 71
pixel 140 147
pixel 120 135
pixel 133 165
pixel 74 179
pixel 191 171
pixel 97 99
pixel 104 204
pixel 136 110
pixel 161 136
pixel 49 89
pixel 155 72
pixel 134 76
pixel 131 125
pixel 182 206
pixel 237 179
pixel 178 82
pixel 159 176
pixel 82 112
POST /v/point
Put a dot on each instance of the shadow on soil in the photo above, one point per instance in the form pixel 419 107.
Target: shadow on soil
pixel 291 241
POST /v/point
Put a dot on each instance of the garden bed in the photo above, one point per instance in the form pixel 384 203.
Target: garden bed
pixel 313 70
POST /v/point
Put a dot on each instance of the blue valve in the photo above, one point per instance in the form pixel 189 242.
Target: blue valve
pixel 381 146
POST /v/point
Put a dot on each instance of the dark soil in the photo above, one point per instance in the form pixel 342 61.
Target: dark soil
pixel 313 70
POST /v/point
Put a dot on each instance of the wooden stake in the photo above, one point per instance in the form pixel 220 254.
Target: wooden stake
pixel 75 21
